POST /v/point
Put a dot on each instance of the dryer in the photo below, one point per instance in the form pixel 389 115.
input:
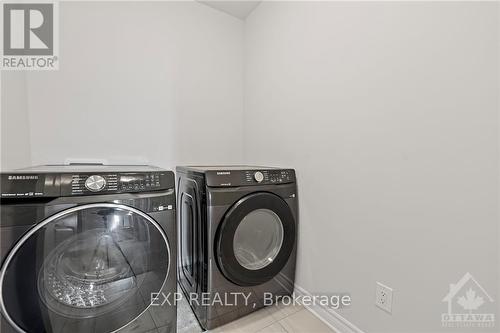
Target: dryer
pixel 84 248
pixel 237 238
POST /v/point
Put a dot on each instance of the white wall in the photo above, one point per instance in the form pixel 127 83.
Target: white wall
pixel 15 136
pixel 140 81
pixel 389 113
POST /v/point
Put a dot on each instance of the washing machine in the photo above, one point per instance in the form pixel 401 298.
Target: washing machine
pixel 88 249
pixel 237 239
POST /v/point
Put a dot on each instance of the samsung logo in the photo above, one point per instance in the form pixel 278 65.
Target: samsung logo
pixel 220 173
pixel 20 177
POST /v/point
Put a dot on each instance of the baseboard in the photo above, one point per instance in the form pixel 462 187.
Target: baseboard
pixel 328 315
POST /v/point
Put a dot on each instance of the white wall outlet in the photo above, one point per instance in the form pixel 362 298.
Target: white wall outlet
pixel 383 297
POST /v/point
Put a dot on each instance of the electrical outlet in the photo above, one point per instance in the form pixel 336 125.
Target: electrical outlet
pixel 383 297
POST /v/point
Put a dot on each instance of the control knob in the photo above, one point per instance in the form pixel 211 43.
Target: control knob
pixel 95 183
pixel 258 176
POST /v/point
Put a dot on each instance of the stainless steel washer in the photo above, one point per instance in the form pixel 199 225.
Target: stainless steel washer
pixel 84 248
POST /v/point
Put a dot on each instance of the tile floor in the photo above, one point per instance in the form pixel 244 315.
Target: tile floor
pixel 276 318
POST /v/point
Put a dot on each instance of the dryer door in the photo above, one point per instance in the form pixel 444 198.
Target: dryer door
pixel 255 239
pixel 91 268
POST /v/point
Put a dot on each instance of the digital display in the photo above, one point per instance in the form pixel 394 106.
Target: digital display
pixel 131 178
pixel 139 181
pixel 135 178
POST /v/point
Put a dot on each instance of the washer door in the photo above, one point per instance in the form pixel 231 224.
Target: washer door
pixel 255 239
pixel 88 268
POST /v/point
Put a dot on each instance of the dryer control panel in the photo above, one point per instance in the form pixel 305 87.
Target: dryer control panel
pixel 235 178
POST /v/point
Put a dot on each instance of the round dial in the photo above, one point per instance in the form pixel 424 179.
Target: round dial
pixel 258 176
pixel 95 183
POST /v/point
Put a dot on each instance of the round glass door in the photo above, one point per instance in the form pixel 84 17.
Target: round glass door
pixel 258 239
pixel 255 239
pixel 89 267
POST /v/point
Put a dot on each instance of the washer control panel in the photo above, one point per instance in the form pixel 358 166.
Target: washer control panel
pixel 63 181
pixel 81 184
pixel 233 178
